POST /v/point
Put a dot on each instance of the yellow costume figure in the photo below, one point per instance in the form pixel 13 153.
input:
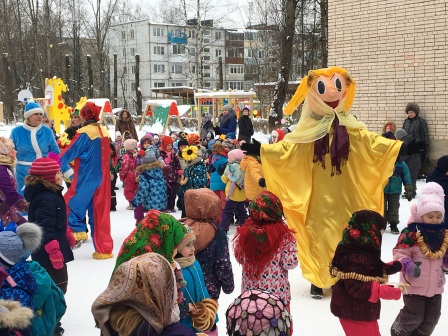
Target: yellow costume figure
pixel 329 167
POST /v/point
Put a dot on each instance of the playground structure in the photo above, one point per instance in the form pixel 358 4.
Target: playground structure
pixel 212 102
pixel 106 109
pixel 162 110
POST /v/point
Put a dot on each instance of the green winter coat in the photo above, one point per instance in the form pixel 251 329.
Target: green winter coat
pixel 49 302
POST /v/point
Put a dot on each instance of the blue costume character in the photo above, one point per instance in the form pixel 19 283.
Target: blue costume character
pixel 33 140
pixel 90 189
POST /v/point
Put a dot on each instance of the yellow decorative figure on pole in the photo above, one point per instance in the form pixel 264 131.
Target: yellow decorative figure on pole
pixel 57 110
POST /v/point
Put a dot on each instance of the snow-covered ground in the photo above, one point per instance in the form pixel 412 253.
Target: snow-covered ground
pixel 89 277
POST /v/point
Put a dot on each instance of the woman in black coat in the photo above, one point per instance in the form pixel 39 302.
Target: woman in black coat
pixel 245 126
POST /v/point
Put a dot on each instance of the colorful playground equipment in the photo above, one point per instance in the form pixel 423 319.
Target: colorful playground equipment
pixel 161 110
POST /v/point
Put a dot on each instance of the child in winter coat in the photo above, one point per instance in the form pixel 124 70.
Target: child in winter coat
pixel 127 171
pixel 195 290
pixel 421 249
pixel 145 143
pixel 118 144
pixel 48 210
pixel 233 177
pixel 11 202
pixel 203 209
pixel 195 173
pixel 172 171
pixel 160 233
pixel 362 275
pixel 218 164
pixel 392 191
pixel 151 193
pixel 254 182
pixel 258 312
pixel 266 248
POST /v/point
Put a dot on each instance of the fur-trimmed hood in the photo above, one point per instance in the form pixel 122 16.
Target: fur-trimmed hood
pixel 148 166
pixel 34 185
pixel 392 124
pixel 13 316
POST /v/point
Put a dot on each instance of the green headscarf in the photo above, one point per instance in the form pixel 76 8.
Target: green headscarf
pixel 158 232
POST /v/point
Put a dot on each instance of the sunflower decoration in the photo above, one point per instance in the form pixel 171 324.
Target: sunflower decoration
pixel 189 153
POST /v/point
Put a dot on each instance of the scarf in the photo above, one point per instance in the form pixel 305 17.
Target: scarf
pixel 433 234
pixel 184 262
pixel 145 283
pixel 223 118
pixel 260 237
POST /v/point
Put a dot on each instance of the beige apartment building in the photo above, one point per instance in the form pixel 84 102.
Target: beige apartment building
pixel 396 50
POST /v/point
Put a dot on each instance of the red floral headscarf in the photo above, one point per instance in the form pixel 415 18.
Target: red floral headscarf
pixel 261 235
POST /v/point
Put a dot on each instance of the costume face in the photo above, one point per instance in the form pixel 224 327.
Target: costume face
pixel 35 119
pixel 433 217
pixel 187 250
pixel 330 89
pixel 411 114
pixel 75 121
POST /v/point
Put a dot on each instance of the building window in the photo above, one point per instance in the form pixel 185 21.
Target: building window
pixel 251 36
pixel 218 35
pixel 206 50
pixel 236 36
pixel 133 69
pixel 234 85
pixel 178 49
pixel 159 68
pixel 236 69
pixel 123 35
pixel 125 87
pixel 176 69
pixel 157 32
pixel 206 74
pixel 206 67
pixel 177 84
pixel 159 84
pixel 132 51
pixel 206 58
pixel 158 50
pixel 191 33
pixel 207 84
pixel 218 52
pixel 125 70
pixel 132 86
pixel 235 52
pixel 251 53
pixel 206 40
pixel 132 33
pixel 124 52
pixel 261 54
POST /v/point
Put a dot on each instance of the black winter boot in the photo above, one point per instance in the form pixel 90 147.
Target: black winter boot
pixel 316 292
pixel 394 229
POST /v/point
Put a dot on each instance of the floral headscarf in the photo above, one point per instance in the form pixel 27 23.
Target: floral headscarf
pixel 158 232
pixel 145 283
pixel 261 235
pixel 7 152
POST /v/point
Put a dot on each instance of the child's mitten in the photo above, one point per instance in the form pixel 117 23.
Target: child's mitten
pixel 410 268
pixel 409 189
pixel 55 254
pixel 386 292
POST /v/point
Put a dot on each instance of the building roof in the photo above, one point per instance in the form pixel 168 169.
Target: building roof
pixel 181 91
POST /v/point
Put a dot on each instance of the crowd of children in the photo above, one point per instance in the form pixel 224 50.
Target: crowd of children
pixel 176 269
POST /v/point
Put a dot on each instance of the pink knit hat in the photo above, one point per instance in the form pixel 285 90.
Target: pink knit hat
pixel 430 199
pixel 235 155
pixel 45 168
pixel 255 312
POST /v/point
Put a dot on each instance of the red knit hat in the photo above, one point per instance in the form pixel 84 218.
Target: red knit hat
pixel 166 140
pixel 45 168
pixel 90 111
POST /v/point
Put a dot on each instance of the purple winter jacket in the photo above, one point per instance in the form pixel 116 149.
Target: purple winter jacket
pixel 11 202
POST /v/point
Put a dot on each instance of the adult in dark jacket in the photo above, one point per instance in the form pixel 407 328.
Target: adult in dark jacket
pixel 227 121
pixel 245 126
pixel 206 126
pixel 440 175
pixel 47 209
pixel 417 128
pixel 125 123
